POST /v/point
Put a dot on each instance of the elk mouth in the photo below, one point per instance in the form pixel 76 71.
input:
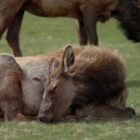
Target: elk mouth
pixel 45 119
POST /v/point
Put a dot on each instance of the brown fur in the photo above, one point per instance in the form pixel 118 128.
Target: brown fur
pixel 87 12
pixel 128 14
pixel 10 94
pixel 95 82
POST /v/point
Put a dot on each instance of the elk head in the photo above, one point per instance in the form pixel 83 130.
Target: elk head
pixel 59 89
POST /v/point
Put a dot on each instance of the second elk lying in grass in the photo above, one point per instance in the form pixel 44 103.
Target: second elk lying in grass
pixel 88 82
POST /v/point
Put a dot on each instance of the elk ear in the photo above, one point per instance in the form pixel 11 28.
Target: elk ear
pixel 52 66
pixel 68 59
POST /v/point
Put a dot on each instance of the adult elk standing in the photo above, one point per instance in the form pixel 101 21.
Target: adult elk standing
pixel 87 13
pixel 96 83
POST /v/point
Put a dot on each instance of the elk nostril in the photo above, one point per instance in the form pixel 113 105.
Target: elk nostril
pixel 41 118
pixel 45 119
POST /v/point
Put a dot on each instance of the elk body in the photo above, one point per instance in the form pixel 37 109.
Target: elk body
pixel 22 84
pixel 87 13
pixel 90 81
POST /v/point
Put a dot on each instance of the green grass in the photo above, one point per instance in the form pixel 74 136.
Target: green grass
pixel 42 35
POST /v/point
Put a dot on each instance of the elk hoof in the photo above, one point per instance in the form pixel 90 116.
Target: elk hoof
pixel 131 110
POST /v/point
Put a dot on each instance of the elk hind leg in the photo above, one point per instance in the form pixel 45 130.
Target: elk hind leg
pixel 89 25
pixel 106 112
pixel 7 12
pixel 81 33
pixel 120 101
pixel 13 33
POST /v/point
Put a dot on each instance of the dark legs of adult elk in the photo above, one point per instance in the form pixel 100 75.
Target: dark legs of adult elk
pixel 7 14
pixel 87 28
pixel 81 33
pixel 13 33
pixel 87 33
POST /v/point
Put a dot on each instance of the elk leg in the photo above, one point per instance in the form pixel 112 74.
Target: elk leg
pixel 89 25
pixel 20 117
pixel 8 10
pixel 11 96
pixel 1 113
pixel 9 115
pixel 13 33
pixel 105 112
pixel 10 106
pixel 99 112
pixel 81 33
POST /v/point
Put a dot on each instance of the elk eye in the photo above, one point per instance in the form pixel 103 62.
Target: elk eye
pixel 53 90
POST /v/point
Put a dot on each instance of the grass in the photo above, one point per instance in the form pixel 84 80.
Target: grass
pixel 42 35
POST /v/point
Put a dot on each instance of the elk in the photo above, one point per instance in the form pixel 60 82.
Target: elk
pixel 22 84
pixel 86 12
pixel 91 84
pixel 62 84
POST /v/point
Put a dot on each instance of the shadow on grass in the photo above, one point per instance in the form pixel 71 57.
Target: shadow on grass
pixel 133 83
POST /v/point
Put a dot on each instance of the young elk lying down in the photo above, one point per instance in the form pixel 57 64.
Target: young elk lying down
pixel 90 84
pixel 87 82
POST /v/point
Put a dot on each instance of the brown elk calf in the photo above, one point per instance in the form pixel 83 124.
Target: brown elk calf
pixel 91 78
pixel 91 83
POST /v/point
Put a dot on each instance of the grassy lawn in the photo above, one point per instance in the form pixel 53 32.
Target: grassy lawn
pixel 42 35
